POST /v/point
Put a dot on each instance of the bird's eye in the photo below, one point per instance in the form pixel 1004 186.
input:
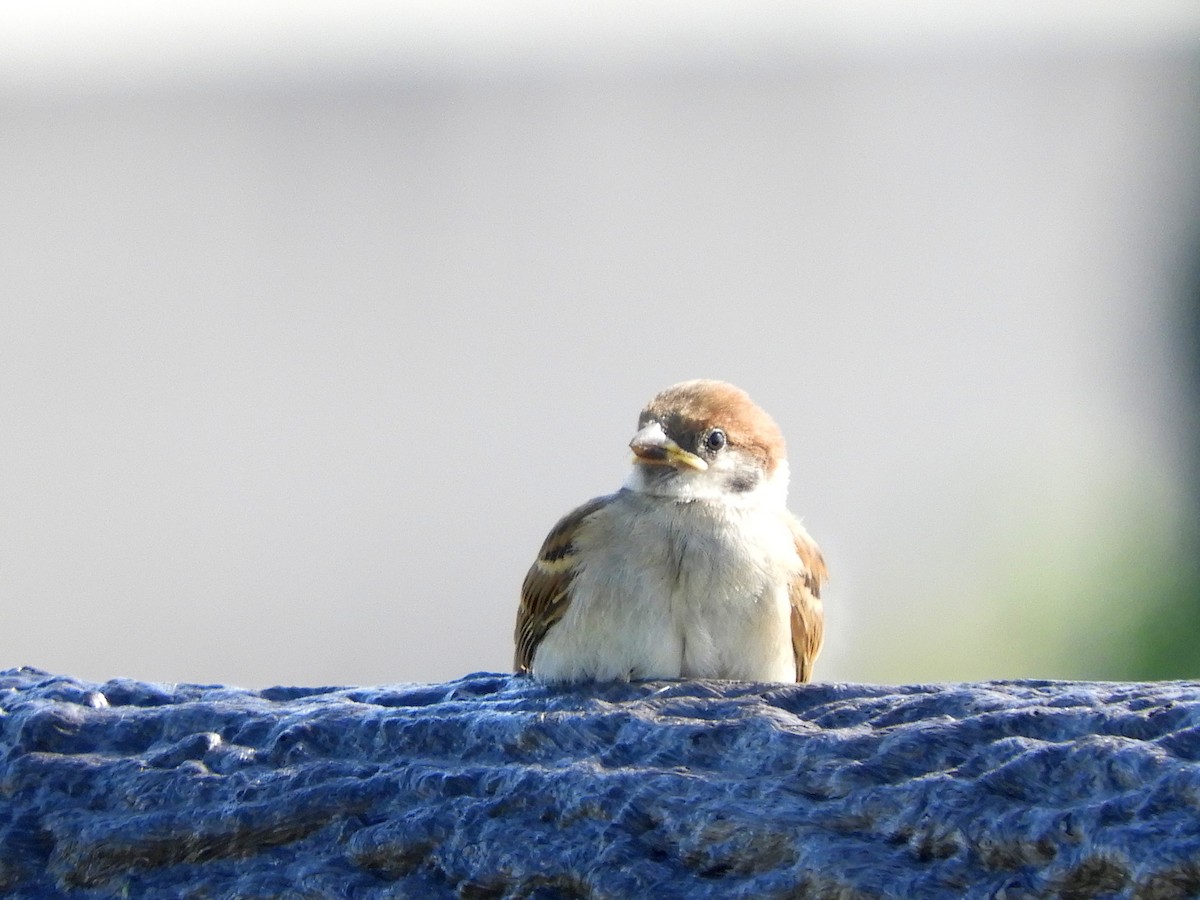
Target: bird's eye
pixel 715 440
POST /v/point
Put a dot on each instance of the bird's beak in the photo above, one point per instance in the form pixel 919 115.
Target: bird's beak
pixel 652 447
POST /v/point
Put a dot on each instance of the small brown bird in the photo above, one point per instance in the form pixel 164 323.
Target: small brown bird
pixel 693 569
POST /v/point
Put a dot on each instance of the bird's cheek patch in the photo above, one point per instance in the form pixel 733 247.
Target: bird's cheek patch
pixel 743 479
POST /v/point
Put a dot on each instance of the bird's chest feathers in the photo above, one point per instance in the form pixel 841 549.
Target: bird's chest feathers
pixel 692 556
pixel 671 590
pixel 709 562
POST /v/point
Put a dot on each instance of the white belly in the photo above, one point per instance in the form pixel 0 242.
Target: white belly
pixel 650 603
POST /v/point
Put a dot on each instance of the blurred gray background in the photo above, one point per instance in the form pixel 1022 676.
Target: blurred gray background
pixel 313 320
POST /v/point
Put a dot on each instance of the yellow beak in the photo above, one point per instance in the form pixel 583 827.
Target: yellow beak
pixel 652 447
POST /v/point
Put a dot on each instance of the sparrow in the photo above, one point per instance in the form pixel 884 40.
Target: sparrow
pixel 694 568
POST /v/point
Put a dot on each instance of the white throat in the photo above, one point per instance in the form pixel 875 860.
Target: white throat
pixel 710 486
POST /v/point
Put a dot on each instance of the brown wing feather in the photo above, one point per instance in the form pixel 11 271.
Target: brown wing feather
pixel 808 615
pixel 544 593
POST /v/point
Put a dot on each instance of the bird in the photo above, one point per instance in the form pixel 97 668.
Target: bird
pixel 694 568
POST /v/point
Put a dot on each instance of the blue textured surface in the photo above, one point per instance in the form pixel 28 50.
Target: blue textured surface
pixel 494 786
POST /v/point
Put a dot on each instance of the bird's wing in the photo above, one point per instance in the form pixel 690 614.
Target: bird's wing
pixel 545 592
pixel 808 616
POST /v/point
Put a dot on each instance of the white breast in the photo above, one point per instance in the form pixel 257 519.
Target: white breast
pixel 670 590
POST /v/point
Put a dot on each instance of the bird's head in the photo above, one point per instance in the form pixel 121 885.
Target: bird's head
pixel 707 440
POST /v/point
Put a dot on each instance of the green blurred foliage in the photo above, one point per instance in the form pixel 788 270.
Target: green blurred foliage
pixel 1166 642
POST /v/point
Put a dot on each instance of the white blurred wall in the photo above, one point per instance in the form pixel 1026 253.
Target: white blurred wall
pixel 311 326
